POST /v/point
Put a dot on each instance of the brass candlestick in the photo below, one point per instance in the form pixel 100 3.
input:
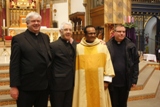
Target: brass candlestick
pixel 3 35
pixel 4 53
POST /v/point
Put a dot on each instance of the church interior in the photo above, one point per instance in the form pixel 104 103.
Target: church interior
pixel 140 17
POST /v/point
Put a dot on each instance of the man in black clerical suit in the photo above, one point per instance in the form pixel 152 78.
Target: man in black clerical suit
pixel 125 60
pixel 62 68
pixel 29 62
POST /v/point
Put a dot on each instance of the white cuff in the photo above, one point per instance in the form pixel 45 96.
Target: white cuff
pixel 108 78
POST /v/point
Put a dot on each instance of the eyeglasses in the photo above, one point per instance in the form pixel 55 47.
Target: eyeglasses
pixel 121 31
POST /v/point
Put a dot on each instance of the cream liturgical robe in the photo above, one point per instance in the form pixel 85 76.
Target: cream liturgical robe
pixel 92 64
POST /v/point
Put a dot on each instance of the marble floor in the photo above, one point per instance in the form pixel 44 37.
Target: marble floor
pixel 152 102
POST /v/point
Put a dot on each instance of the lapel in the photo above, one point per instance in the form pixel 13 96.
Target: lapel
pixel 74 46
pixel 32 42
pixel 46 42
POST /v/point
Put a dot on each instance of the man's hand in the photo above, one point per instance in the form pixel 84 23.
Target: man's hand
pixel 133 85
pixel 102 42
pixel 105 85
pixel 14 93
pixel 71 40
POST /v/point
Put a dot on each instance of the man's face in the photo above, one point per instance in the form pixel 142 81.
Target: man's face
pixel 120 33
pixel 66 32
pixel 91 34
pixel 34 24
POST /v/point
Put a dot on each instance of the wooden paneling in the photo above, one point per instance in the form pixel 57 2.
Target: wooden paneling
pixel 78 19
pixel 97 16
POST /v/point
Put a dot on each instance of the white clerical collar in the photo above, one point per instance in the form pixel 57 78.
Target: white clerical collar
pixel 118 42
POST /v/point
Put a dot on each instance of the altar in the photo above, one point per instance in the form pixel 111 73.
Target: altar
pixel 13 21
pixel 150 57
pixel 53 33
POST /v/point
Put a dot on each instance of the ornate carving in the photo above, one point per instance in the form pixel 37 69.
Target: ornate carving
pixel 4 92
pixel 4 67
pixel 4 75
pixel 11 102
pixel 2 83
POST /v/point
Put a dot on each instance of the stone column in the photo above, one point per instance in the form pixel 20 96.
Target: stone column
pixel 86 12
pixel 87 5
pixel 51 14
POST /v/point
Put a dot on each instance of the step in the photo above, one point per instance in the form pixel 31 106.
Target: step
pixel 4 90
pixel 143 77
pixel 4 81
pixel 4 73
pixel 155 64
pixel 5 97
pixel 8 101
pixel 14 105
pixel 150 89
pixel 142 65
pixel 4 65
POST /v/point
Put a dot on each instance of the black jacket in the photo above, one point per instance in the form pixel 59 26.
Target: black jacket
pixel 63 67
pixel 28 66
pixel 132 61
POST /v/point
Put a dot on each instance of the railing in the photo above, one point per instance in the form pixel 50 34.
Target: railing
pixel 146 1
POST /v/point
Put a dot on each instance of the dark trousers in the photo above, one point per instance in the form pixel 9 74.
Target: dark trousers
pixel 61 98
pixel 32 98
pixel 119 96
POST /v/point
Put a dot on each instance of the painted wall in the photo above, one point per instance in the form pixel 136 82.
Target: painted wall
pixel 77 6
pixel 62 10
pixel 116 10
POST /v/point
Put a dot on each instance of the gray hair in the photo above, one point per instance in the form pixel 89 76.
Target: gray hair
pixel 65 23
pixel 32 14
